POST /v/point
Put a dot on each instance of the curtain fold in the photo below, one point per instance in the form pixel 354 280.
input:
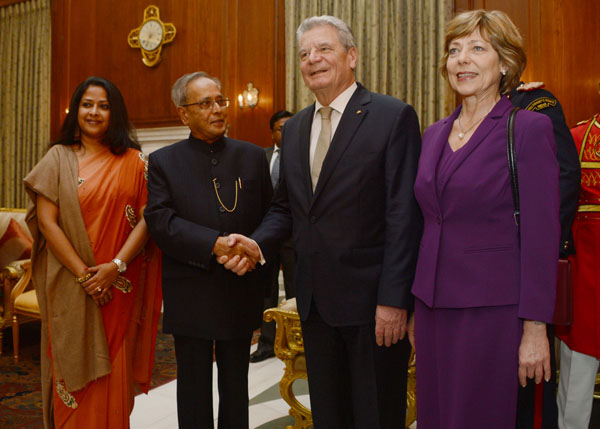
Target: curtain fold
pixel 399 42
pixel 24 94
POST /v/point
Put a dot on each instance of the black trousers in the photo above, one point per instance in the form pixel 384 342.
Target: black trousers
pixel 286 260
pixel 194 382
pixel 353 383
pixel 526 398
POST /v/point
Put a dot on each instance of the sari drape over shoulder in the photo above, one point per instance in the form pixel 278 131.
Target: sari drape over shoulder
pixel 88 351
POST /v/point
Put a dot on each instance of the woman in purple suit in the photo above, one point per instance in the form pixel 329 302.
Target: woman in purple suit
pixel 484 286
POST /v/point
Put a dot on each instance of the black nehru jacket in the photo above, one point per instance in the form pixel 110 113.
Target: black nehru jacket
pixel 184 216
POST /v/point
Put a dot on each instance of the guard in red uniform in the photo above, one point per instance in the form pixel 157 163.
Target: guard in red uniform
pixel 580 349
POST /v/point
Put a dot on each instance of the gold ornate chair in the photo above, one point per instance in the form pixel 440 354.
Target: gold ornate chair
pixel 24 304
pixel 289 347
pixel 9 276
pixel 14 239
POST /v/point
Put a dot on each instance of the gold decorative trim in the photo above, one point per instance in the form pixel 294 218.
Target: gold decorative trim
pixel 122 284
pixel 130 216
pixel 583 142
pixel 15 210
pixel 144 159
pixel 590 164
pixel 541 104
pixel 589 208
pixel 65 396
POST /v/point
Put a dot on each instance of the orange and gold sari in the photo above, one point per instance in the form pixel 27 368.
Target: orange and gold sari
pixel 110 189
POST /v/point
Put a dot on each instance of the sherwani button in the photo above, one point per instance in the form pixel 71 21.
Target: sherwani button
pixel 214 161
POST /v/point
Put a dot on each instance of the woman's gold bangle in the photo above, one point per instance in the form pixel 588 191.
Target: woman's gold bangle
pixel 84 279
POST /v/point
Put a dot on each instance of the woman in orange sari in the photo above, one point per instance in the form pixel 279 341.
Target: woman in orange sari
pixel 95 276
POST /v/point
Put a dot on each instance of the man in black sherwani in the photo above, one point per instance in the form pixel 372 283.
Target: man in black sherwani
pixel 201 189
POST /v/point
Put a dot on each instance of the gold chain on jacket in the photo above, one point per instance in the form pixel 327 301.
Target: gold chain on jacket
pixel 238 182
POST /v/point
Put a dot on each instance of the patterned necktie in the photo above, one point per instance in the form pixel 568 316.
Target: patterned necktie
pixel 322 145
pixel 275 169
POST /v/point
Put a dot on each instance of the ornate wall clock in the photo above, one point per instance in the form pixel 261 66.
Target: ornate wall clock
pixel 151 35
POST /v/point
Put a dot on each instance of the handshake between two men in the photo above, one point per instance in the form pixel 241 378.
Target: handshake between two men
pixel 237 253
pixel 240 254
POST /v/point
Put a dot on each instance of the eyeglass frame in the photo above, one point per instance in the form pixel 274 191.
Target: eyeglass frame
pixel 212 101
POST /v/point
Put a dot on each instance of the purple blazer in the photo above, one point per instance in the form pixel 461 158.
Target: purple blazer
pixel 470 254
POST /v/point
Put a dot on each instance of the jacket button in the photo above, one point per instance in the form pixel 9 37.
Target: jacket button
pixel 222 210
pixel 217 185
pixel 214 161
pixel 313 219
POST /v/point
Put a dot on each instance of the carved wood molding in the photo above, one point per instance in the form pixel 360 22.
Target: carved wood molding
pixel 154 138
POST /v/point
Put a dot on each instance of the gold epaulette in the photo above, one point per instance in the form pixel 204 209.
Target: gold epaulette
pixel 530 86
pixel 583 122
pixel 595 118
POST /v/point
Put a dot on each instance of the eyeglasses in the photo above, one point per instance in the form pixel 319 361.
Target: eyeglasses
pixel 208 103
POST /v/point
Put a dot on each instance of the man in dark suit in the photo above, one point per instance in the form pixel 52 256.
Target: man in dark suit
pixel 348 165
pixel 200 189
pixel 265 348
pixel 531 96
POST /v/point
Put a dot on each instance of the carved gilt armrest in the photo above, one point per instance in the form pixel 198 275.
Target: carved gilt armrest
pixel 289 347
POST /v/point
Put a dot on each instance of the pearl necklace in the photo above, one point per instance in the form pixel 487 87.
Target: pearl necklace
pixel 462 133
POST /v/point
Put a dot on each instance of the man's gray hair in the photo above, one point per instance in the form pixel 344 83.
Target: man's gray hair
pixel 343 30
pixel 179 90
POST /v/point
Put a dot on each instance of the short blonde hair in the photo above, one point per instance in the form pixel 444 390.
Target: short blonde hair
pixel 498 30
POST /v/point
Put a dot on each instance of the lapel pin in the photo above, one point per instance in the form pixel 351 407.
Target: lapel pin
pixel 358 112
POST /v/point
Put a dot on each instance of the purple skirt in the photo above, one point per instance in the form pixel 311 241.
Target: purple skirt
pixel 467 363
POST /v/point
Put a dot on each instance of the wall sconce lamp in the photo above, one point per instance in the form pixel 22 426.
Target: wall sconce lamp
pixel 249 98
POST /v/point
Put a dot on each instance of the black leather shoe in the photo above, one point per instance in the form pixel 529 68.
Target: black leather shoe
pixel 261 354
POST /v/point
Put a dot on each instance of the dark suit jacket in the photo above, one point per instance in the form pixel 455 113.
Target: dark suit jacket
pixel 471 254
pixel 185 217
pixel 356 238
pixel 542 101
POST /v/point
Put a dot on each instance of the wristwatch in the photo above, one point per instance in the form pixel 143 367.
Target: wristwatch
pixel 121 266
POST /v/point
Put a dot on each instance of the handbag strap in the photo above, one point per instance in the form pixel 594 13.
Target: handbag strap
pixel 512 163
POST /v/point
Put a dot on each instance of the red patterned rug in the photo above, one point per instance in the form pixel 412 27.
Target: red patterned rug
pixel 20 395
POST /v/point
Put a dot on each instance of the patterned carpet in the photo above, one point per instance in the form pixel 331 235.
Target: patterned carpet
pixel 20 395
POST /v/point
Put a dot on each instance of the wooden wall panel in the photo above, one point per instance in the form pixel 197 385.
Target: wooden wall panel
pixel 235 40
